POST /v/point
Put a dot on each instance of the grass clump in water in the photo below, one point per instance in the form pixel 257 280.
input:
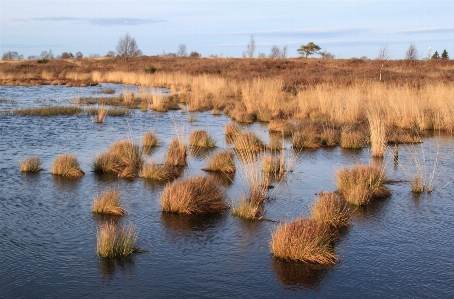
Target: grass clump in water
pixel 156 172
pixel 221 162
pixel 200 138
pixel 149 141
pixel 195 195
pixel 331 211
pixel 283 126
pixel 48 111
pixel 108 202
pixel 248 142
pixel 231 131
pixel 123 158
pixel 115 242
pixel 303 240
pixel 176 154
pixel 67 165
pixel 32 164
pixel 352 139
pixel 361 184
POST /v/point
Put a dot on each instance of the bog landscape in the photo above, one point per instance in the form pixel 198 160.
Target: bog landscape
pixel 152 176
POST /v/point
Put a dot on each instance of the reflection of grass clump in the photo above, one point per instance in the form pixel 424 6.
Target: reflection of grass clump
pixel 113 241
pixel 362 183
pixel 108 202
pixel 67 165
pixel 200 138
pixel 221 162
pixel 31 164
pixel 304 240
pixel 196 195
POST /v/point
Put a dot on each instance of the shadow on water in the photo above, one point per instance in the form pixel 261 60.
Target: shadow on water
pixel 299 275
pixel 223 179
pixel 183 222
pixel 372 210
pixel 108 267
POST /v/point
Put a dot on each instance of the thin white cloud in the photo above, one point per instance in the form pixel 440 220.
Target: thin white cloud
pixel 95 21
pixel 426 30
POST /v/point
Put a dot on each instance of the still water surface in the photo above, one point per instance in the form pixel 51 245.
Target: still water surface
pixel 401 247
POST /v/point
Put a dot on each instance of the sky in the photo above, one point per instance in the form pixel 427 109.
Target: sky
pixel 224 27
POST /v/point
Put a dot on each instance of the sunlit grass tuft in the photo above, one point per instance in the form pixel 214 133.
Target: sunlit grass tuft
pixel 32 164
pixel 330 210
pixel 221 162
pixel 108 202
pixel 115 241
pixel 67 165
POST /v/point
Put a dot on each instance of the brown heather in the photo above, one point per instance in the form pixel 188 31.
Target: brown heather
pixel 67 165
pixel 195 195
pixel 303 240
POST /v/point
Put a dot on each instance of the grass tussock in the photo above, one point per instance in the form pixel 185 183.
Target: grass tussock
pixel 248 141
pixel 273 167
pixel 48 111
pixel 353 139
pixel 282 126
pixel 100 115
pixel 200 138
pixel 123 158
pixel 303 240
pixel 31 164
pixel 176 154
pixel 231 131
pixel 195 195
pixel 361 184
pixel 221 162
pixel 115 241
pixel 156 172
pixel 108 202
pixel 149 141
pixel 67 165
pixel 330 210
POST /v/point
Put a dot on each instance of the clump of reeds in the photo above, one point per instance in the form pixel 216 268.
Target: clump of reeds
pixel 352 139
pixel 329 137
pixel 377 126
pixel 200 138
pixel 48 111
pixel 67 165
pixel 195 195
pixel 231 130
pixel 108 202
pixel 123 158
pixel 176 154
pixel 158 172
pixel 149 141
pixel 248 141
pixel 283 126
pixel 101 114
pixel 307 137
pixel 330 210
pixel 107 90
pixel 303 240
pixel 273 167
pixel 32 164
pixel 221 162
pixel 275 145
pixel 251 205
pixel 361 184
pixel 114 242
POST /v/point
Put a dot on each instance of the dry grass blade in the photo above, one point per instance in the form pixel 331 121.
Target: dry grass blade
pixel 108 202
pixel 303 240
pixel 196 195
pixel 67 165
pixel 221 162
pixel 176 154
pixel 330 210
pixel 200 138
pixel 114 242
pixel 157 172
pixel 149 141
pixel 32 164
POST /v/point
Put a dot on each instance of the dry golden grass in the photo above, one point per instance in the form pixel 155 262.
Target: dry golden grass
pixel 176 154
pixel 31 164
pixel 114 241
pixel 284 126
pixel 67 165
pixel 200 138
pixel 123 158
pixel 48 111
pixel 149 141
pixel 352 139
pixel 273 167
pixel 195 195
pixel 331 211
pixel 248 141
pixel 377 127
pixel 221 162
pixel 361 184
pixel 102 113
pixel 231 130
pixel 108 202
pixel 303 240
pixel 157 172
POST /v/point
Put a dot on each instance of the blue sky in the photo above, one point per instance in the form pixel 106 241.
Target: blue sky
pixel 222 27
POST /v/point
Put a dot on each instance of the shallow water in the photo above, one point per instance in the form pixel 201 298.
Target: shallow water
pixel 398 247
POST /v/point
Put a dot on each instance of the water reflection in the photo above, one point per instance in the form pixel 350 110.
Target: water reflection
pixel 298 274
pixel 223 179
pixel 183 222
pixel 108 267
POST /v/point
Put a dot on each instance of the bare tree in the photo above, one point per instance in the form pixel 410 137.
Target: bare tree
pixel 275 52
pixel 110 54
pixel 284 51
pixel 12 55
pixel 250 50
pixel 47 55
pixel 79 55
pixel 195 54
pixel 182 50
pixel 383 54
pixel 327 55
pixel 412 53
pixel 127 46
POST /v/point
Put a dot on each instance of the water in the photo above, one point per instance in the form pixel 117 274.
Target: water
pixel 398 247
